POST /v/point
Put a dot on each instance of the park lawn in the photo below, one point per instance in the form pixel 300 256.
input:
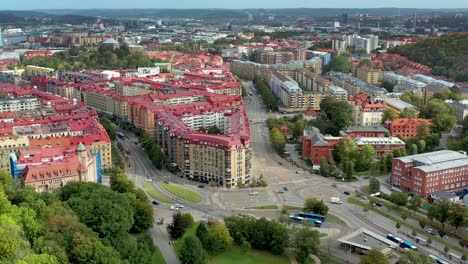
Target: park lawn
pixel 177 245
pixel 335 219
pixel 271 206
pixel 157 257
pixel 293 207
pixel 183 192
pixel 235 256
pixel 154 194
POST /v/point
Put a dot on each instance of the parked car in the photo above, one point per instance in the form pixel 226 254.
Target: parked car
pixel 285 188
pixel 280 192
pixel 253 193
pixel 201 186
pixel 346 192
pixel 378 204
pixel 156 202
pixel 179 206
pixel 430 231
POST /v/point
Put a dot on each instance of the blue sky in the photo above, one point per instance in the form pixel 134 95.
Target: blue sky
pixel 86 4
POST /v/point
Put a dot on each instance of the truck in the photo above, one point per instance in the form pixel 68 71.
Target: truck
pixel 336 200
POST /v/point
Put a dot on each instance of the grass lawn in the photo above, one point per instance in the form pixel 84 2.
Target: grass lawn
pixel 271 206
pixel 323 234
pixel 157 257
pixel 154 194
pixel 183 192
pixel 293 207
pixel 335 219
pixel 189 232
pixel 236 256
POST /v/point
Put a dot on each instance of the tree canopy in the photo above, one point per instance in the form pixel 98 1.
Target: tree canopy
pixel 338 64
pixel 445 55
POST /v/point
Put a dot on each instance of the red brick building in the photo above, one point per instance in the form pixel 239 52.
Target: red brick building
pixel 364 131
pixel 315 145
pixel 406 127
pixel 426 173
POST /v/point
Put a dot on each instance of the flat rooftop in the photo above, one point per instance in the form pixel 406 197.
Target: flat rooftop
pixel 366 239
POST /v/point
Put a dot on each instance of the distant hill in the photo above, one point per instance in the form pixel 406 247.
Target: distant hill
pixel 34 17
pixel 234 13
pixel 447 55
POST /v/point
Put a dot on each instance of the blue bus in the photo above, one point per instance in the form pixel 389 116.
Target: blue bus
pixel 439 260
pixel 407 244
pixel 296 219
pixel 311 215
pixel 300 220
pixel 394 238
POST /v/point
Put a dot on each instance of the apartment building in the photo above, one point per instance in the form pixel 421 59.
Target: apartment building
pixel 423 174
pixel 355 86
pixel 15 104
pixel 369 75
pixel 10 145
pixel 224 158
pixel 402 80
pixel 367 112
pixel 278 57
pixel 32 70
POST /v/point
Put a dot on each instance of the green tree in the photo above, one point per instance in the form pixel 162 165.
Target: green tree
pixel 404 215
pixel 409 113
pixel 304 242
pixel 324 167
pixel 374 256
pixel 383 164
pixel 415 202
pixel 348 168
pixel 203 235
pixel 38 259
pixel 346 148
pixel 366 62
pixel 441 233
pixel 336 112
pixel 421 146
pixel 374 185
pixel 277 140
pixel 389 114
pixel 412 257
pixel 179 224
pixel 315 206
pixel 97 206
pixel 219 237
pixel 414 149
pixel 443 123
pixel 399 198
pixel 5 178
pixel 458 215
pixel 364 158
pixel 440 211
pixel 338 64
pixel 192 251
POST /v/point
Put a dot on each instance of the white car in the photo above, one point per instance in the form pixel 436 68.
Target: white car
pixel 253 193
pixel 179 206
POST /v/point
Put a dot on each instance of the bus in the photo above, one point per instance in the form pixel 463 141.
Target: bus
pixel 394 238
pixel 407 244
pixel 121 135
pixel 439 260
pixel 311 215
pixel 296 219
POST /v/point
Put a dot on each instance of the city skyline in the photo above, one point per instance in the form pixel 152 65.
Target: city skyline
pixel 241 4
